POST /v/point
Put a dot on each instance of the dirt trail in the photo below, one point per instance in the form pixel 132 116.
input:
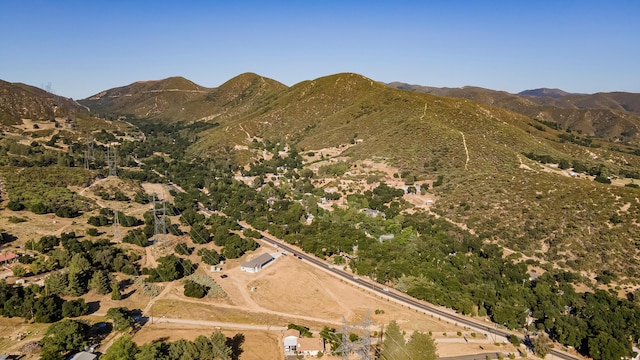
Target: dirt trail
pixel 466 150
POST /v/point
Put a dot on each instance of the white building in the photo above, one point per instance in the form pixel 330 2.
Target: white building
pixel 255 265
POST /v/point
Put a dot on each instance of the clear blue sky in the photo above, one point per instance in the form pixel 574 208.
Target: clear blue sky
pixel 84 47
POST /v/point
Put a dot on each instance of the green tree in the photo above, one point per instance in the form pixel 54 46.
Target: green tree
pixel 541 345
pixel 47 309
pixel 605 347
pixel 152 351
pixel 74 308
pixel 194 290
pixel 393 345
pixel 63 338
pixel 220 349
pixel 19 271
pixel 100 282
pixel 421 347
pixel 199 234
pixel 56 283
pixel 121 317
pixel 115 291
pixel 182 249
pixel 122 349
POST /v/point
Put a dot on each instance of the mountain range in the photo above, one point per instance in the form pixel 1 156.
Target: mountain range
pixel 516 169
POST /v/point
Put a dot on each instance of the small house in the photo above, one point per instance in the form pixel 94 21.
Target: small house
pixel 310 346
pixel 290 340
pixel 7 258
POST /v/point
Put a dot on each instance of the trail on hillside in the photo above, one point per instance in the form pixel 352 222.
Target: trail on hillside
pixel 466 150
pixel 424 112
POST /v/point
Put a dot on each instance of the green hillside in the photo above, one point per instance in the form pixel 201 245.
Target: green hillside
pixel 486 157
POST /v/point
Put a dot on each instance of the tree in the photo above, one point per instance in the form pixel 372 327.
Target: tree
pixel 182 249
pixel 194 290
pixel 19 271
pixel 64 337
pixel 421 347
pixel 100 282
pixel 393 346
pixel 152 351
pixel 219 346
pixel 115 291
pixel 122 349
pixel 47 309
pixel 604 346
pixel 121 317
pixel 74 308
pixel 199 234
pixel 541 345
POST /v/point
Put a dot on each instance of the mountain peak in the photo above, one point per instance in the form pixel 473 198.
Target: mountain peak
pixel 546 92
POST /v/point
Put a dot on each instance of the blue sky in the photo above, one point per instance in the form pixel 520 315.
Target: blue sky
pixel 84 47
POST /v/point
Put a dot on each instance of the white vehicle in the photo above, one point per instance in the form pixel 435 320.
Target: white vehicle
pixel 385 290
pixel 356 278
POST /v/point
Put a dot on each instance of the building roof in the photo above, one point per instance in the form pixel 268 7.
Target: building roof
pixel 310 344
pixel 259 261
pixel 8 256
pixel 291 332
pixel 83 355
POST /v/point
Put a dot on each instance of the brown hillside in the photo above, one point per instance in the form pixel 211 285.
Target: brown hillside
pixel 20 101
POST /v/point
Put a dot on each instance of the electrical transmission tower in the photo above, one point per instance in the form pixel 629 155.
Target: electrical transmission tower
pixel 116 225
pixel 362 345
pixel 88 153
pixel 111 161
pixel 159 223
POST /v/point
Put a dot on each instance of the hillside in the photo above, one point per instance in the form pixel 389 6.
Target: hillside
pixel 478 149
pixel 606 115
pixel 448 200
pixel 19 101
pixel 177 98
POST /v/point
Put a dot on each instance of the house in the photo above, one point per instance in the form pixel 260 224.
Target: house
pixel 386 237
pixel 310 346
pixel 373 213
pixel 84 355
pixel 290 340
pixel 255 265
pixel 7 258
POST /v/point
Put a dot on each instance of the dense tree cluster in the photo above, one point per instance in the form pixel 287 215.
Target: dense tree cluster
pixel 170 268
pixel 215 347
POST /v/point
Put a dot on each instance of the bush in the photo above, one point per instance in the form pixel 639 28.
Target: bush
pixel 194 290
pixel 514 340
pixel 92 232
pixel 15 205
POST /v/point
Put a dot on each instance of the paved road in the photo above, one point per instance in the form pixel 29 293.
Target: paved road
pixel 405 299
pixel 483 356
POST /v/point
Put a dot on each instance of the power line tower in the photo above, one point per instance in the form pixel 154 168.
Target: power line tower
pixel 159 223
pixel 112 160
pixel 117 235
pixel 88 153
pixel 362 345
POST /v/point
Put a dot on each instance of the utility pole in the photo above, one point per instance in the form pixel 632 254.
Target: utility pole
pixel 116 226
pixel 159 222
pixel 112 162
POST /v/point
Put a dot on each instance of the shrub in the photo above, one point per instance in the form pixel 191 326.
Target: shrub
pixel 194 290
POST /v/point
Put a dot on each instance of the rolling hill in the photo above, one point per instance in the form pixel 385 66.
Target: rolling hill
pixel 606 115
pixel 479 142
pixel 19 101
